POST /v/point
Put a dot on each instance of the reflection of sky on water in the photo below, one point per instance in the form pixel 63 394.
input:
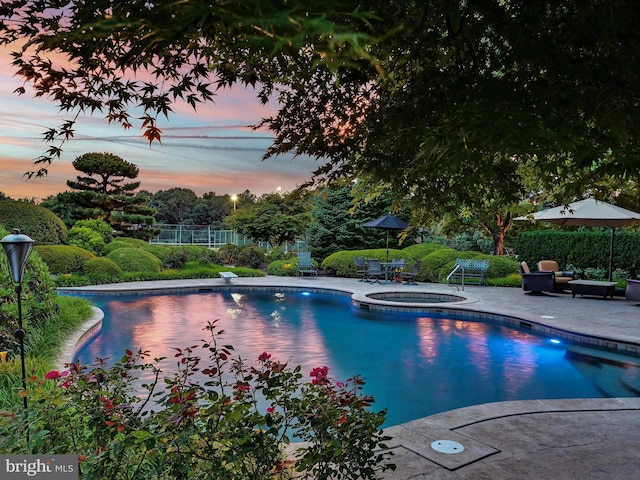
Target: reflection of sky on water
pixel 413 365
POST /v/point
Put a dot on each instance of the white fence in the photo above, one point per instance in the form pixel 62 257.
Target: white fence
pixel 206 236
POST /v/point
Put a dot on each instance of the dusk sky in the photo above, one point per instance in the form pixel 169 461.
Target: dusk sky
pixel 211 150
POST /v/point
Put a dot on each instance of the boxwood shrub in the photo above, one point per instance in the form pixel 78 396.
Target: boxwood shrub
pixel 39 223
pixel 286 267
pixel 61 259
pixel 115 245
pixel 135 260
pixel 102 268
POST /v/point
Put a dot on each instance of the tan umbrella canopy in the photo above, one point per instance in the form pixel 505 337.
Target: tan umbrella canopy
pixel 588 213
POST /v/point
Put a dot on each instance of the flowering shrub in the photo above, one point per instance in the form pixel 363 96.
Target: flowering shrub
pixel 234 425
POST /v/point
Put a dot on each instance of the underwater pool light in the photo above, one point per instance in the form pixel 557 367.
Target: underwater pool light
pixel 555 340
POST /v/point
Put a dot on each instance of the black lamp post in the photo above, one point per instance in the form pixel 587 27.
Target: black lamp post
pixel 17 247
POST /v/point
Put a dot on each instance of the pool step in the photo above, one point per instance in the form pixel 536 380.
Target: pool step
pixel 605 370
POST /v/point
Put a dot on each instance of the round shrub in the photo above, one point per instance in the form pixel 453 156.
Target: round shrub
pixel 99 226
pixel 85 237
pixel 420 250
pixel 283 268
pixel 160 251
pixel 61 259
pixel 115 245
pixel 437 262
pixel 135 260
pixel 39 223
pixel 131 242
pixel 100 267
pixel 229 254
pixel 500 266
pixel 250 256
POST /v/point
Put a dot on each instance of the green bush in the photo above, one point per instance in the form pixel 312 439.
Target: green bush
pixel 132 242
pixel 135 260
pixel 39 223
pixel 203 255
pixel 341 264
pixel 85 237
pixel 500 266
pixel 251 256
pixel 513 280
pixel 61 259
pixel 159 251
pixel 101 267
pixel 285 268
pixel 229 254
pixel 99 226
pixel 419 250
pixel 437 265
pixel 115 245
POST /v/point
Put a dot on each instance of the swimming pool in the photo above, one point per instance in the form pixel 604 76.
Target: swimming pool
pixel 414 364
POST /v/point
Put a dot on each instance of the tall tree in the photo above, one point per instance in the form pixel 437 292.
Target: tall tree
pixel 274 218
pixel 104 192
pixel 174 206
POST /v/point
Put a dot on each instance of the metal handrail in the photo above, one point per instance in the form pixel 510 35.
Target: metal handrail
pixel 455 269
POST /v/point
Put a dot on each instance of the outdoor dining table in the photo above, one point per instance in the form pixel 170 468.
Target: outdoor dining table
pixel 390 267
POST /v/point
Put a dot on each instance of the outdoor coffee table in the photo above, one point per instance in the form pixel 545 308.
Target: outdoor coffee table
pixel 591 287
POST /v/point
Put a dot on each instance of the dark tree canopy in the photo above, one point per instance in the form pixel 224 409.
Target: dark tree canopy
pixel 406 96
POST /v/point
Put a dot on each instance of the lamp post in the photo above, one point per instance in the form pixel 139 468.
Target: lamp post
pixel 17 248
pixel 234 199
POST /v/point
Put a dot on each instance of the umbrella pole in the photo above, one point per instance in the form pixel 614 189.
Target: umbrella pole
pixel 387 246
pixel 613 232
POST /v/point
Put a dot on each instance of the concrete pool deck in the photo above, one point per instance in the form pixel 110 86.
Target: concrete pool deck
pixel 535 439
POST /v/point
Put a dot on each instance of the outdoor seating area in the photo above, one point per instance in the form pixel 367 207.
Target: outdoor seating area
pixel 374 271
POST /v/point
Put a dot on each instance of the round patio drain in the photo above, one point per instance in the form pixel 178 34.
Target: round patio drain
pixel 447 446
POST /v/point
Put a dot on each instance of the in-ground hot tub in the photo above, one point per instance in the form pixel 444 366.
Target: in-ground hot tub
pixel 416 297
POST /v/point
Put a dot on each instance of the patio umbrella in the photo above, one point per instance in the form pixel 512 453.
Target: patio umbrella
pixel 387 222
pixel 588 213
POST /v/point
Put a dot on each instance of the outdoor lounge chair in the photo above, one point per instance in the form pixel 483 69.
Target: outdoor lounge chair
pixel 361 268
pixel 561 277
pixel 374 270
pixel 536 282
pixel 409 276
pixel 305 265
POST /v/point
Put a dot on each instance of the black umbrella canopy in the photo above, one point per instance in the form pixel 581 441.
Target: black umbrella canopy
pixel 387 222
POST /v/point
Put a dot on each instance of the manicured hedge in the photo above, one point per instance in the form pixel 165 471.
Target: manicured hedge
pixel 581 249
pixel 61 259
pixel 39 223
pixel 135 260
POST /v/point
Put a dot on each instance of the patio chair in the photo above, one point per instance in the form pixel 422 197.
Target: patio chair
pixel 361 268
pixel 374 270
pixel 536 282
pixel 305 265
pixel 561 278
pixel 397 265
pixel 410 275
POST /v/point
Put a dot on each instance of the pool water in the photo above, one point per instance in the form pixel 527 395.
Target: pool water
pixel 414 364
